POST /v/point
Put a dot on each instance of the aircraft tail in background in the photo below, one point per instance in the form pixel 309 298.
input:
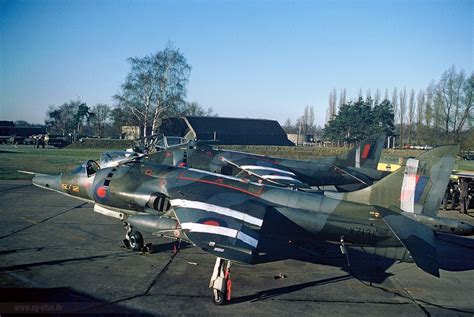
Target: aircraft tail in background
pixel 366 154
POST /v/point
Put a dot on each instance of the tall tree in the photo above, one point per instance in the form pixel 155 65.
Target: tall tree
pixel 357 120
pixel 402 110
pixel 395 103
pixel 420 108
pixel 65 118
pixel 307 120
pixel 411 115
pixel 100 118
pixel 82 115
pixel 332 106
pixel 155 86
pixel 195 109
pixel 377 97
pixel 342 97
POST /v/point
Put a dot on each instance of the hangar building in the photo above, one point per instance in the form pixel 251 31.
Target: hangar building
pixel 229 131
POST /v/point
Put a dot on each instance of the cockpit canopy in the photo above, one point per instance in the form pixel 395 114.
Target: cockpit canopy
pixel 114 158
pixel 88 168
pixel 166 142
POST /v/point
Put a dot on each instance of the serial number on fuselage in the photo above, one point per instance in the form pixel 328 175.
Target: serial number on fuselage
pixel 359 232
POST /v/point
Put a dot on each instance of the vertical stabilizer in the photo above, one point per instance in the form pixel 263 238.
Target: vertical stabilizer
pixel 417 187
pixel 366 154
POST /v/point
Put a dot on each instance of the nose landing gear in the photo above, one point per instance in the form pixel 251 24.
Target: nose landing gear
pixel 221 283
pixel 133 239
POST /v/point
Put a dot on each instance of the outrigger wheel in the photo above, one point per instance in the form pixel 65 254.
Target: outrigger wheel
pixel 218 297
pixel 220 282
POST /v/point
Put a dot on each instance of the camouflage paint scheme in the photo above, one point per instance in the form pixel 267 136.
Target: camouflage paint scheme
pixel 243 221
pixel 357 166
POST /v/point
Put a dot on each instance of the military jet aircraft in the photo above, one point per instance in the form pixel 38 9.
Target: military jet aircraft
pixel 239 220
pixel 358 166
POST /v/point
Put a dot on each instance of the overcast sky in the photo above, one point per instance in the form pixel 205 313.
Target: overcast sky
pixel 258 59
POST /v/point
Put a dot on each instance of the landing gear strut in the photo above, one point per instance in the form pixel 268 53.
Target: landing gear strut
pixel 133 239
pixel 220 282
pixel 343 248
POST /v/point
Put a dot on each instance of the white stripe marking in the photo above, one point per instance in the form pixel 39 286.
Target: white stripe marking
pixel 407 195
pixel 223 176
pixel 280 177
pixel 217 209
pixel 357 157
pixel 254 167
pixel 222 231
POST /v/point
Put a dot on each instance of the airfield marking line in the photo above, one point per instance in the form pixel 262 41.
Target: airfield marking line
pixel 24 279
pixel 44 220
pixel 18 187
pixel 141 294
pixel 47 264
pixel 414 300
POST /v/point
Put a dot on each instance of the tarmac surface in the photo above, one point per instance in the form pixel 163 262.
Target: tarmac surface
pixel 58 256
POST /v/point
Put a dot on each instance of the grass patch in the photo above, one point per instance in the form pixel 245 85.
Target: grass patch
pixel 47 161
pixel 55 161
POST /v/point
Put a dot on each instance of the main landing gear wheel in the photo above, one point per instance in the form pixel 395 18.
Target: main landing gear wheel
pixel 220 282
pixel 135 239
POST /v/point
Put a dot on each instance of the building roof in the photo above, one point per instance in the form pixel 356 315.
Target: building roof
pixel 233 131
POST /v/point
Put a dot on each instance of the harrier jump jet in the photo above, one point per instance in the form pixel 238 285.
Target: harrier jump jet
pixel 248 222
pixel 357 166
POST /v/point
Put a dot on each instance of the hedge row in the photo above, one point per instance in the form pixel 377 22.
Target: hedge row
pixel 110 144
pixel 300 152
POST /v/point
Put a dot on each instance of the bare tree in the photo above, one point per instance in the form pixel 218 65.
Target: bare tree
pixel 377 97
pixel 402 111
pixel 429 105
pixel 100 118
pixel 311 119
pixel 155 86
pixel 368 94
pixel 342 97
pixel 332 106
pixel 395 103
pixel 411 115
pixel 452 102
pixel 420 108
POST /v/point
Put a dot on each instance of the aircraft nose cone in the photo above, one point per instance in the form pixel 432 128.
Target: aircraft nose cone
pixel 46 181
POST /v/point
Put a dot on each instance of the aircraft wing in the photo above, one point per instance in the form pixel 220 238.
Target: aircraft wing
pixel 271 175
pixel 229 233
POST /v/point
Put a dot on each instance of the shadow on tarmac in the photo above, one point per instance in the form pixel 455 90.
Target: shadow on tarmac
pixel 58 301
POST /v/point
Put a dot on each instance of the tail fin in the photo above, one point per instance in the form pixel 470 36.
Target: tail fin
pixel 417 188
pixel 365 154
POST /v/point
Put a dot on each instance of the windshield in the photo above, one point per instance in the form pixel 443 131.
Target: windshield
pixel 169 141
pixel 88 168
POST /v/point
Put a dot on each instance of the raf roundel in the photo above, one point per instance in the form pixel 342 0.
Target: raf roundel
pixel 101 191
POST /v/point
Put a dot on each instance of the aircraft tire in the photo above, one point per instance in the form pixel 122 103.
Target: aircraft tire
pixel 136 241
pixel 218 297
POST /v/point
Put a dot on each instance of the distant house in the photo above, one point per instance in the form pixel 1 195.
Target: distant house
pixel 229 131
pixel 130 132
